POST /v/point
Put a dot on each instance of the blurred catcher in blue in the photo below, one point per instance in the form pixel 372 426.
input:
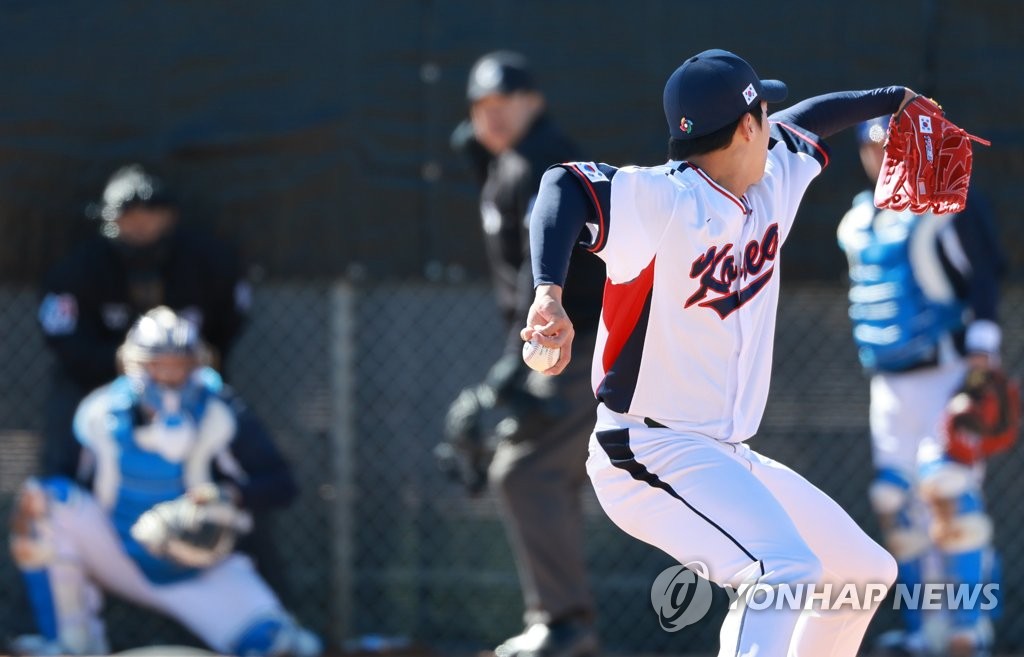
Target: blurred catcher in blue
pixel 172 464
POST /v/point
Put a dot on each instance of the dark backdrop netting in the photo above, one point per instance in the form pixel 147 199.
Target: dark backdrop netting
pixel 316 133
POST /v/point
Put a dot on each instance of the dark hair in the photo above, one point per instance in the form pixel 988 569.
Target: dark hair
pixel 680 149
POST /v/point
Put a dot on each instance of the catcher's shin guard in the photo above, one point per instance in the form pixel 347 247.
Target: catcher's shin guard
pixel 65 603
pixel 962 532
pixel 904 532
pixel 277 635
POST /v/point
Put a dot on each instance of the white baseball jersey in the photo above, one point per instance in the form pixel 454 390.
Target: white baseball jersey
pixel 688 321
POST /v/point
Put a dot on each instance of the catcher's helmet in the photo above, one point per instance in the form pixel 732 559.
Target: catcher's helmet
pixel 160 331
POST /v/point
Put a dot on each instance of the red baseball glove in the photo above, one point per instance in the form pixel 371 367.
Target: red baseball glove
pixel 927 162
pixel 983 417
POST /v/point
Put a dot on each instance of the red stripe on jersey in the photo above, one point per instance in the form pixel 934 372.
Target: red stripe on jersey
pixel 589 188
pixel 812 142
pixel 718 188
pixel 622 307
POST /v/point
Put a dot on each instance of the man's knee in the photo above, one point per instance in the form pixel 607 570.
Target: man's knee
pixel 883 566
pixel 800 566
pixel 32 548
pixel 959 522
pixel 511 476
pixel 891 496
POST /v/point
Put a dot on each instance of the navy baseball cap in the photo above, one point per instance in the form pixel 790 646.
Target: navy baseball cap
pixel 711 90
pixel 501 72
pixel 873 130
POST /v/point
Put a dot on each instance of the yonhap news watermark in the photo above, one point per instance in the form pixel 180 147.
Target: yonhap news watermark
pixel 680 598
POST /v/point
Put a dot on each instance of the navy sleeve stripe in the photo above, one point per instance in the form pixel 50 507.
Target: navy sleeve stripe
pixel 596 198
pixel 559 222
pixel 809 143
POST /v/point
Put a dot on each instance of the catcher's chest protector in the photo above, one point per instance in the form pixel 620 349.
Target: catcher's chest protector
pixel 138 467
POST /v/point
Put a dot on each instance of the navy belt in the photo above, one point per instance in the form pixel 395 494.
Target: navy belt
pixel 654 424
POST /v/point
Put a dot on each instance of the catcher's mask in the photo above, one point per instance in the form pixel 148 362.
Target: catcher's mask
pixel 162 356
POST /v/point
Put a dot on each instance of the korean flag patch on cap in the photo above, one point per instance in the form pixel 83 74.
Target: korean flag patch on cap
pixel 749 94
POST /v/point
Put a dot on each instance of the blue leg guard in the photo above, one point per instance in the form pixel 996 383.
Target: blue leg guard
pixel 34 554
pixel 40 596
pixel 277 635
pixel 911 575
pixel 979 574
pixel 964 572
pixel 904 534
pixel 259 639
pixel 65 603
pixel 963 535
pixel 995 577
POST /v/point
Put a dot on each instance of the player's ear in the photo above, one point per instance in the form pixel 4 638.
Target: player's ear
pixel 746 127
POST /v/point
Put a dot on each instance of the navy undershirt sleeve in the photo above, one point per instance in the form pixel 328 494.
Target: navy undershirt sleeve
pixel 560 214
pixel 828 114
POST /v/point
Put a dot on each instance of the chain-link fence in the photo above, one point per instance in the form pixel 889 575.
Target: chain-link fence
pixel 355 380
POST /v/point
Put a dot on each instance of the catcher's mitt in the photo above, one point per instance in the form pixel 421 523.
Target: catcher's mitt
pixel 927 161
pixel 465 453
pixel 195 530
pixel 983 417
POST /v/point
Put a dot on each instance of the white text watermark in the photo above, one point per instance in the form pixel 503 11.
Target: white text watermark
pixel 681 598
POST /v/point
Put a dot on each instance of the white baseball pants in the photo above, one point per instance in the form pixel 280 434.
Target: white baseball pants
pixel 217 605
pixel 906 415
pixel 739 513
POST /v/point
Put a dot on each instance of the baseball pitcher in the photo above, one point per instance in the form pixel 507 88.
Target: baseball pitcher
pixel 683 357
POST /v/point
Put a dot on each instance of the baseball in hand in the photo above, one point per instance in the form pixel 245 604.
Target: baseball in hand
pixel 538 357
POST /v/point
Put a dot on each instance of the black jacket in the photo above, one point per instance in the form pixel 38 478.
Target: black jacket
pixel 509 186
pixel 91 298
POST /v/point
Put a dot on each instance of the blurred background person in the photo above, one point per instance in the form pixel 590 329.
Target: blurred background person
pixel 924 294
pixel 165 430
pixel 538 464
pixel 142 258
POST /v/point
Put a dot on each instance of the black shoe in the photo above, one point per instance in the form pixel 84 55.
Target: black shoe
pixel 561 639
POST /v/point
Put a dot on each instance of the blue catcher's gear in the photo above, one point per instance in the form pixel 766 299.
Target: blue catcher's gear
pixel 901 301
pixel 277 635
pixel 903 527
pixel 962 531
